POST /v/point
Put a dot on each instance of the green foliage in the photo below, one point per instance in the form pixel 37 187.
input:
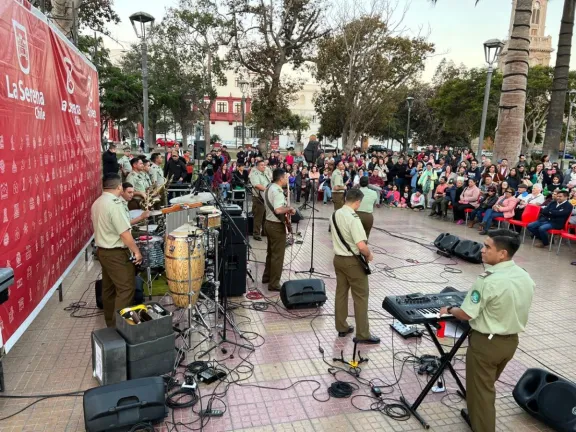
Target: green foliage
pixel 297 124
pixel 363 67
pixel 265 37
pixel 215 138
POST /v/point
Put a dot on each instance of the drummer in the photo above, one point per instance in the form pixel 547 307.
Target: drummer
pixel 126 196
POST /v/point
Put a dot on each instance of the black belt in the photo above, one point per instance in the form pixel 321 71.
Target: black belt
pixel 116 248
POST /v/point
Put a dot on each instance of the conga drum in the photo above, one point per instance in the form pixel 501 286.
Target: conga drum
pixel 185 264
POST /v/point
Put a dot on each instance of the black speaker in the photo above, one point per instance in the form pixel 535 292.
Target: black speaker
pixel 303 294
pixel 200 149
pixel 233 269
pixel 138 292
pixel 118 407
pixel 469 250
pixel 446 242
pixel 231 235
pixel 548 398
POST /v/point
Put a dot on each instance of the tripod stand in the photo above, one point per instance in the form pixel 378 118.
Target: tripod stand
pixel 311 270
pixel 226 267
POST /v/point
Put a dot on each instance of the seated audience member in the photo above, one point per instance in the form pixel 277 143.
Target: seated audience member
pixel 503 208
pixel 439 195
pixel 468 200
pixel 393 197
pixel 573 202
pixel 486 202
pixel 487 182
pixel 570 177
pixel 556 184
pixel 405 197
pixel 376 182
pixel 418 201
pixel 325 185
pixel 222 181
pixel 553 216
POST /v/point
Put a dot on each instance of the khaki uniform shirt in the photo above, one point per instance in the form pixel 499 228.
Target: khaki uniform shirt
pixel 274 196
pixel 109 220
pixel 337 180
pixel 124 163
pixel 258 178
pixel 500 299
pixel 369 200
pixel 156 175
pixel 352 231
pixel 268 173
pixel 125 204
pixel 146 178
pixel 138 180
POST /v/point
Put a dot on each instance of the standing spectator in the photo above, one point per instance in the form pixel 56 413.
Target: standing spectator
pixel 468 200
pixel 110 161
pixel 241 156
pixel 302 185
pixel 240 177
pixel 325 184
pixel 222 181
pixel 207 169
pixel 426 182
pixel 175 169
pixel 399 173
pixel 189 166
pixel 415 175
pixel 320 160
pixel 300 159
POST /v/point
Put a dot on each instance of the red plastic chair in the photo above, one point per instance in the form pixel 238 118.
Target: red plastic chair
pixel 566 235
pixel 531 214
pixel 467 212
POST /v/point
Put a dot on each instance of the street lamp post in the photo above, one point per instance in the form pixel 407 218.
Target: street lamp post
pixel 146 21
pixel 572 100
pixel 243 88
pixel 409 101
pixel 492 49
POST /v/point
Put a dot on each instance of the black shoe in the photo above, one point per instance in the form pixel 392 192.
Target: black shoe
pixel 257 238
pixel 432 214
pixel 465 416
pixel 372 340
pixel 483 233
pixel 347 332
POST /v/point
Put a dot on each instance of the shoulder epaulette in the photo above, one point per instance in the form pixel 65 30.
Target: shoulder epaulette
pixel 486 274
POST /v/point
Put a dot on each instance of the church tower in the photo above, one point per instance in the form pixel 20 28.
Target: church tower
pixel 540 44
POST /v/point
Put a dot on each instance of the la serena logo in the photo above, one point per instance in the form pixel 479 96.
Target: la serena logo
pixel 18 90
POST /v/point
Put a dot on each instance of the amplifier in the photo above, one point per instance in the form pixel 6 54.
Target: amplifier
pixel 230 234
pixel 303 293
pixel 232 209
pixel 233 270
pixel 108 356
pixel 119 407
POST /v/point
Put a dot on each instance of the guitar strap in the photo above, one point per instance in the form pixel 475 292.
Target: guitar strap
pixel 267 200
pixel 340 234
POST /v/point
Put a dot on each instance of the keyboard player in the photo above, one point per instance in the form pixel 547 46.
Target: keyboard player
pixel 496 308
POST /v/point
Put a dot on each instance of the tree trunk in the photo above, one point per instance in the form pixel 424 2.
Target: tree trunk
pixel 555 122
pixel 207 131
pixel 508 140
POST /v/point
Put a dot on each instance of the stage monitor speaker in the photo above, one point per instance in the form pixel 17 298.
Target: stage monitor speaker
pixel 446 242
pixel 200 150
pixel 119 407
pixel 230 235
pixel 303 294
pixel 233 269
pixel 548 398
pixel 469 250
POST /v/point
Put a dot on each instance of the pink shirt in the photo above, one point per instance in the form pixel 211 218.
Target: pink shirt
pixel 290 159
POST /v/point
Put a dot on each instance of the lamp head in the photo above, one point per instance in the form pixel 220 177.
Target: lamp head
pixel 409 101
pixel 572 96
pixel 243 86
pixel 142 18
pixel 492 49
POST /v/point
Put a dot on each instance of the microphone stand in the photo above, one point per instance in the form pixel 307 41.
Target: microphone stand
pixel 312 190
pixel 311 270
pixel 223 334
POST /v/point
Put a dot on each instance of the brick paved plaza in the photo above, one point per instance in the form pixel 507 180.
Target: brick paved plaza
pixel 54 354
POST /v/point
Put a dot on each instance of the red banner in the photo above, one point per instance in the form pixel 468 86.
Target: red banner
pixel 50 161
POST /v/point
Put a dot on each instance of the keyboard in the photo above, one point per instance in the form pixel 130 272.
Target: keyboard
pixel 423 308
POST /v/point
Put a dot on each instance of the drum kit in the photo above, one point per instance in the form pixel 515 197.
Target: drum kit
pixel 187 253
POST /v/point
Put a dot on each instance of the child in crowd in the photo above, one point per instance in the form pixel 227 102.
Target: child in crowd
pixel 406 196
pixel 393 197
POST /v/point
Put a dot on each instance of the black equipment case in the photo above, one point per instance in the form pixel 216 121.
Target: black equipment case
pixel 303 293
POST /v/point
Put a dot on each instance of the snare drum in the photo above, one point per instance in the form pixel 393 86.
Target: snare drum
pixel 152 252
pixel 185 264
pixel 209 217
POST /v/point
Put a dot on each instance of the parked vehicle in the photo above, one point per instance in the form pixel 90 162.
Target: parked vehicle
pixel 165 143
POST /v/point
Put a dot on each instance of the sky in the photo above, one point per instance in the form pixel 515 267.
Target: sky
pixel 458 28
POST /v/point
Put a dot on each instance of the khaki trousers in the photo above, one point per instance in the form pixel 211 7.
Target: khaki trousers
pixel 118 282
pixel 367 220
pixel 350 276
pixel 338 200
pixel 259 212
pixel 275 250
pixel 485 361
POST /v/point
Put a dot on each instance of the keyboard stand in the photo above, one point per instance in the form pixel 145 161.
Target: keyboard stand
pixel 446 362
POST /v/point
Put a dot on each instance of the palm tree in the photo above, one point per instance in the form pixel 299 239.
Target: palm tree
pixel 555 119
pixel 508 141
